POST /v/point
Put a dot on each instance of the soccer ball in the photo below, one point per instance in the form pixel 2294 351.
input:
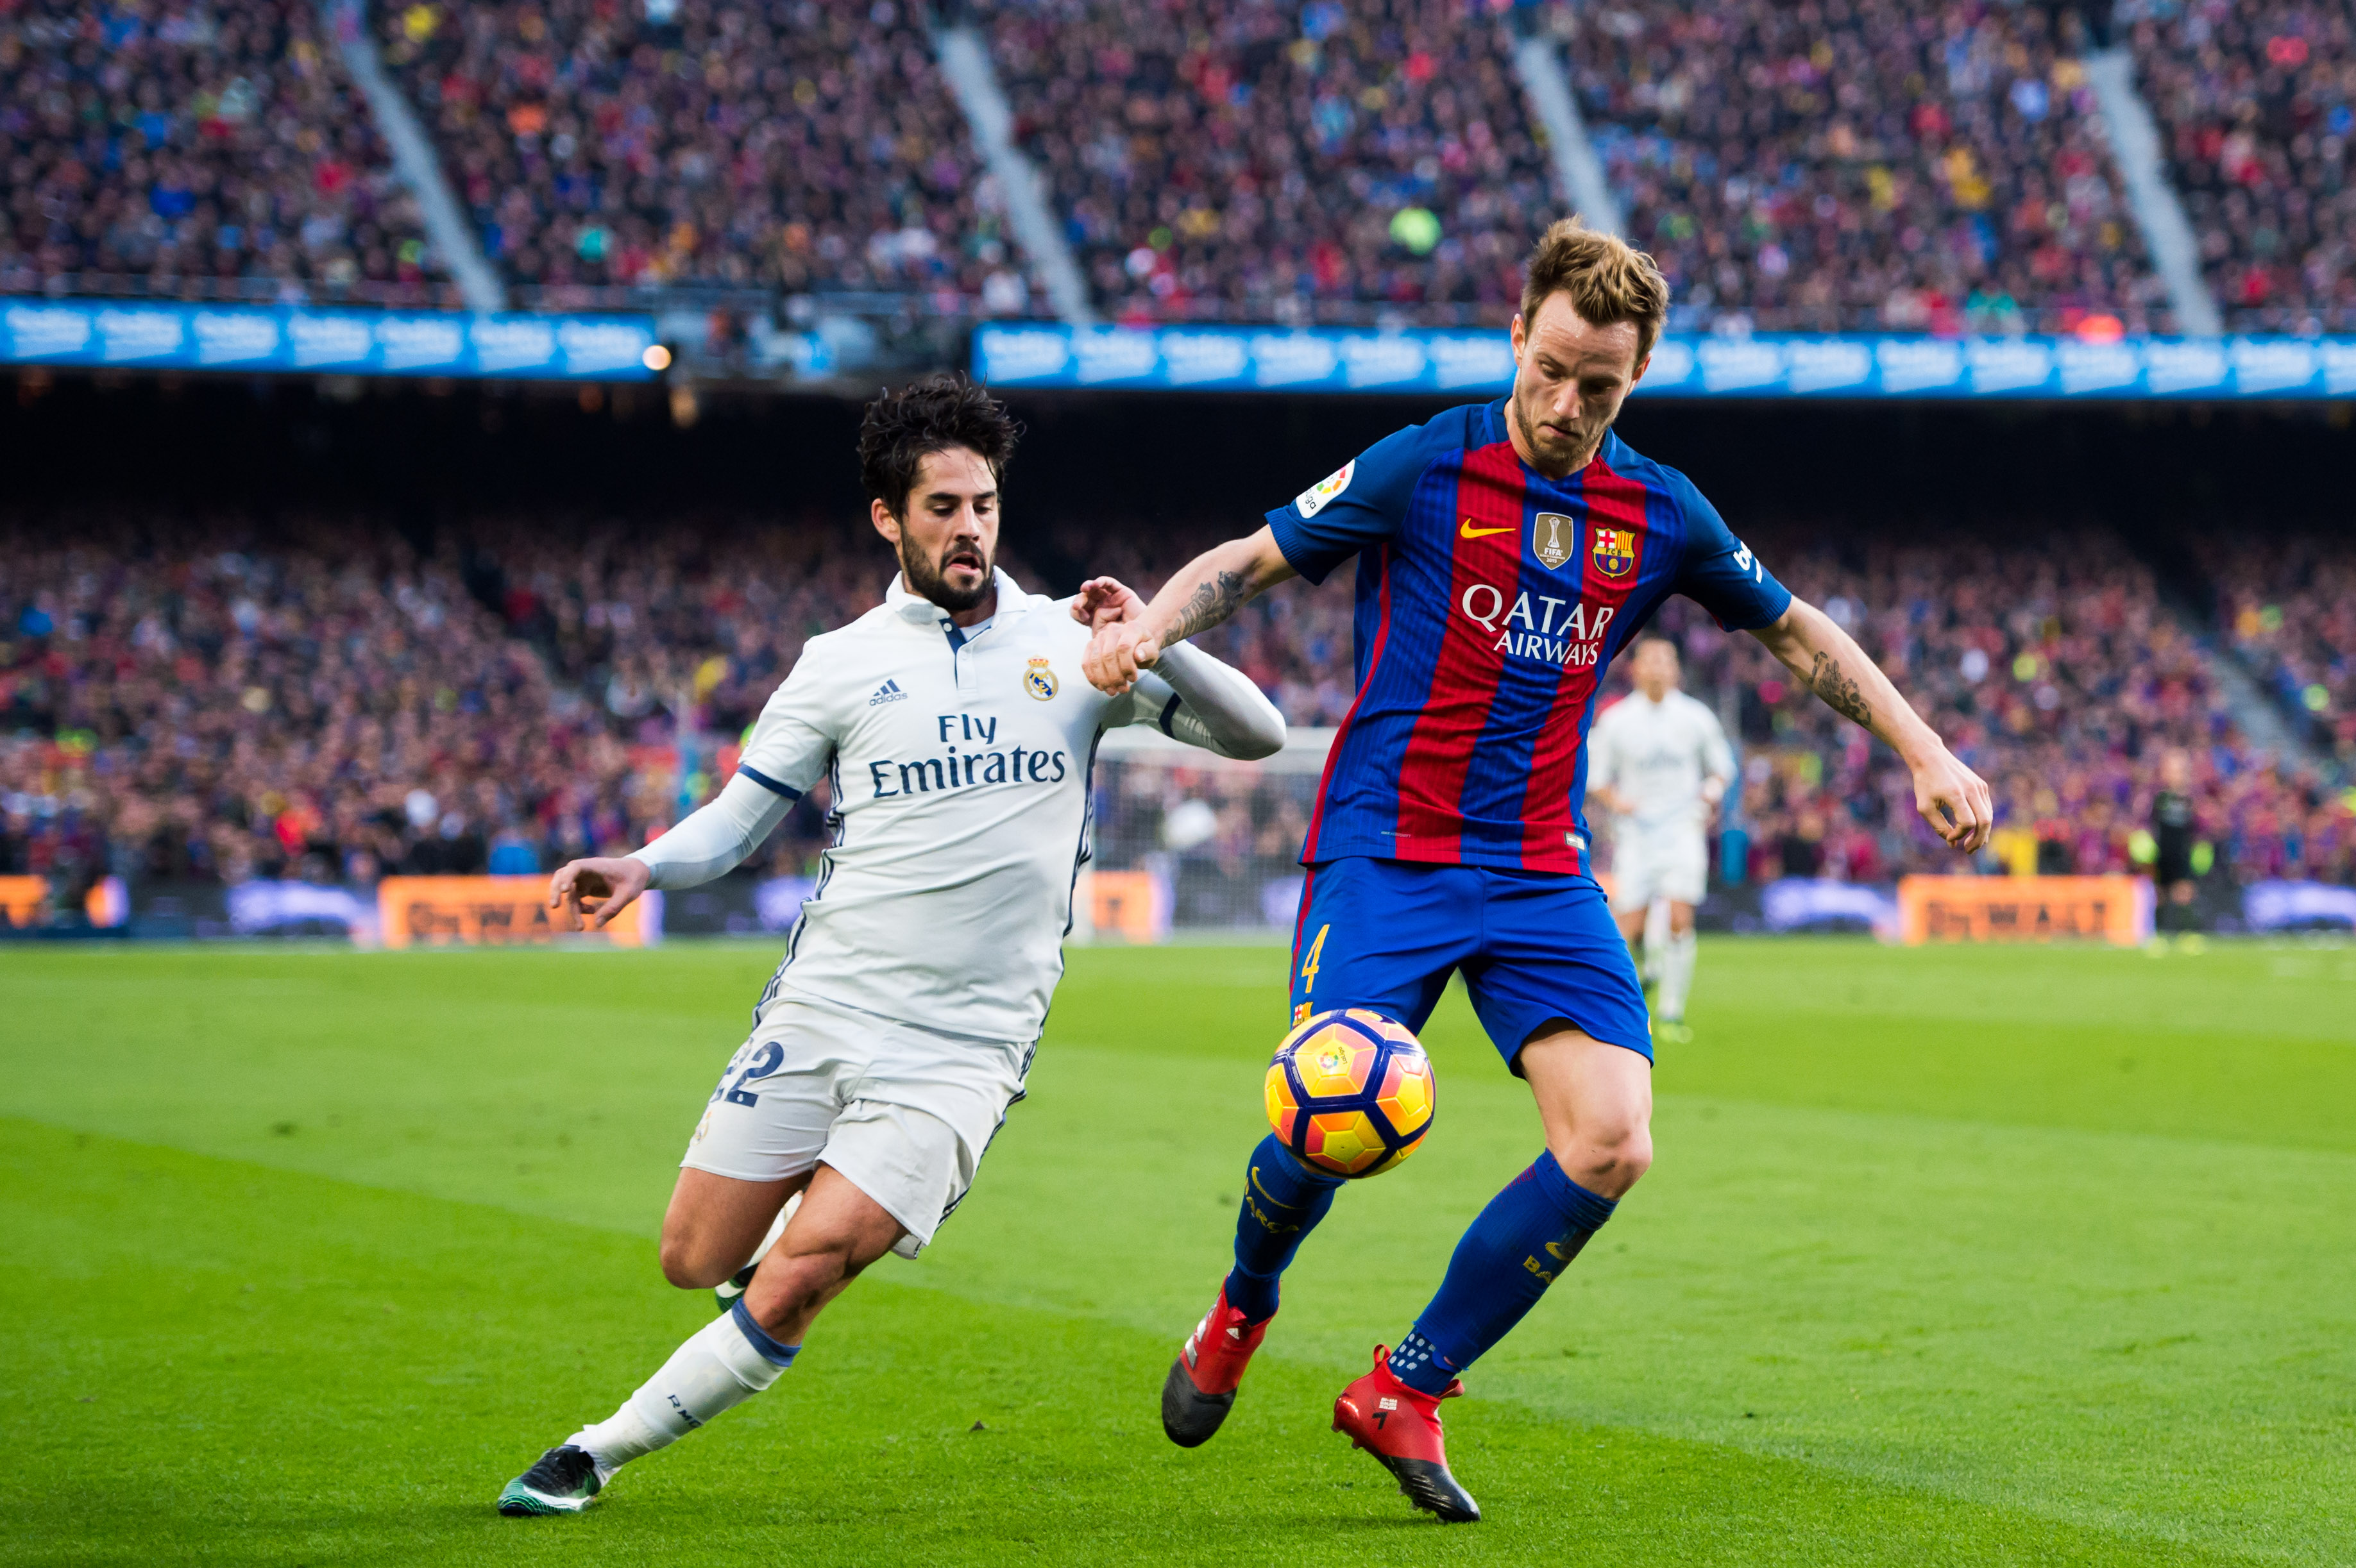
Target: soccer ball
pixel 1350 1093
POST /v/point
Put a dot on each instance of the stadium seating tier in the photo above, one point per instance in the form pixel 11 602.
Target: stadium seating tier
pixel 1863 164
pixel 1230 160
pixel 2258 101
pixel 200 151
pixel 777 144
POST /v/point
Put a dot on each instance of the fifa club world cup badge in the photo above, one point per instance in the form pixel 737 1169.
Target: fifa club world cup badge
pixel 1040 681
pixel 1547 541
pixel 1615 551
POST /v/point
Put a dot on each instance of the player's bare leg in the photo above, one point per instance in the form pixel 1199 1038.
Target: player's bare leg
pixel 715 1223
pixel 1595 1101
pixel 706 1224
pixel 836 1231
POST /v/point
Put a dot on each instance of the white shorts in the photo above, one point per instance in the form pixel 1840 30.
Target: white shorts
pixel 1665 863
pixel 902 1114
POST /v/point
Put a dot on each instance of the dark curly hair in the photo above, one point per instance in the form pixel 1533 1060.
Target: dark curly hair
pixel 900 429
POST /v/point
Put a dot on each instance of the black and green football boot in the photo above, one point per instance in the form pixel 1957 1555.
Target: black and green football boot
pixel 563 1481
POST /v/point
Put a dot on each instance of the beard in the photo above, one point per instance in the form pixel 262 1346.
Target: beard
pixel 1553 449
pixel 927 579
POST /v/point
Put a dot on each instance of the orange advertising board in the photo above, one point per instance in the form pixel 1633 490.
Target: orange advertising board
pixel 22 900
pixel 2116 910
pixel 1127 905
pixel 496 909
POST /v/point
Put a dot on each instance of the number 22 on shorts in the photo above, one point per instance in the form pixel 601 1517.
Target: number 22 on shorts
pixel 764 1061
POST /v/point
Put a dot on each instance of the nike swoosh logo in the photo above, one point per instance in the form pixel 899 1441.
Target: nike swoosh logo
pixel 1469 532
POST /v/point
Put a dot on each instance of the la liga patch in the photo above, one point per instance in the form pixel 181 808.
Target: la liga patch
pixel 1312 501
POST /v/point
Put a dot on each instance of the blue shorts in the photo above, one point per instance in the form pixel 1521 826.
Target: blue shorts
pixel 1534 946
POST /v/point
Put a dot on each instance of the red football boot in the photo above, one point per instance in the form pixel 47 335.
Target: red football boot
pixel 1201 1388
pixel 1400 1426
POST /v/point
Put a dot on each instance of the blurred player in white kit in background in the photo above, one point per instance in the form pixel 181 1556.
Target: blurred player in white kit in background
pixel 1660 765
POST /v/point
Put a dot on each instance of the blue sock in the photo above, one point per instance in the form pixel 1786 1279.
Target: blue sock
pixel 1283 1201
pixel 1527 1235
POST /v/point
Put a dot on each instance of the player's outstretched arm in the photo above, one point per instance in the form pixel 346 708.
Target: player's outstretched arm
pixel 714 839
pixel 1213 706
pixel 1952 798
pixel 1206 591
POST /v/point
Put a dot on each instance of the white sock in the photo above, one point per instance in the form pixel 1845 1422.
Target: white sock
pixel 717 1370
pixel 1657 940
pixel 776 1229
pixel 1676 973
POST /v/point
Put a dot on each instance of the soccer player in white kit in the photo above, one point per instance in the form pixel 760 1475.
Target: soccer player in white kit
pixel 956 733
pixel 1659 764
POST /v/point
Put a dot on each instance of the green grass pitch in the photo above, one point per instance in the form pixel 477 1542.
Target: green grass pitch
pixel 1949 1257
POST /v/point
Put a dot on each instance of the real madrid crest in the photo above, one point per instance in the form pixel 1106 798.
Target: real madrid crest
pixel 1040 681
pixel 1547 540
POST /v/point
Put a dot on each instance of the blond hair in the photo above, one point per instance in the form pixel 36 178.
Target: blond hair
pixel 1608 280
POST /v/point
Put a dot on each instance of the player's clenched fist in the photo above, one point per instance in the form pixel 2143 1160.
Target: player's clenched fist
pixel 1116 654
pixel 1954 801
pixel 593 891
pixel 1119 648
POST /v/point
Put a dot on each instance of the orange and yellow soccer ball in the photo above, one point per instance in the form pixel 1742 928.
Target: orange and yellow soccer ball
pixel 1350 1093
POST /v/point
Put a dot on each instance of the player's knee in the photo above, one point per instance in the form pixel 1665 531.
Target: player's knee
pixel 1632 1157
pixel 691 1264
pixel 1610 1158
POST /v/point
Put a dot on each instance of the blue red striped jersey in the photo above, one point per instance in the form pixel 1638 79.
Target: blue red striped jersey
pixel 1490 600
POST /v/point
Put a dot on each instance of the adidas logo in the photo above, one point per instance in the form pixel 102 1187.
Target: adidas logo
pixel 888 693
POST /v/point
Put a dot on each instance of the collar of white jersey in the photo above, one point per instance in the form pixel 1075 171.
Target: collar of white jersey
pixel 919 612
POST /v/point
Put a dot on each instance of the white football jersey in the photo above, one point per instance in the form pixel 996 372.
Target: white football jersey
pixel 1655 755
pixel 959 770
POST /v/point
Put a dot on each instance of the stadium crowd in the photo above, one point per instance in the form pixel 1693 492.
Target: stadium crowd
pixel 160 147
pixel 2053 670
pixel 2258 100
pixel 2287 603
pixel 193 702
pixel 180 702
pixel 780 144
pixel 1229 160
pixel 1828 165
pixel 1863 164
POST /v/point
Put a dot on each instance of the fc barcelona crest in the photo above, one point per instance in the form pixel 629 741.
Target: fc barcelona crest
pixel 1615 551
pixel 1551 538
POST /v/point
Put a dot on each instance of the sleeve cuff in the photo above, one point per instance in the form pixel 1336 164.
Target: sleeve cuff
pixel 1299 553
pixel 1762 623
pixel 766 782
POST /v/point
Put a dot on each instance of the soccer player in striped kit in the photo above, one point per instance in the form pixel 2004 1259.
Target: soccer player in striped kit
pixel 1506 551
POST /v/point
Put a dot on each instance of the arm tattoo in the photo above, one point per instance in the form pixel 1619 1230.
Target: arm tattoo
pixel 1212 602
pixel 1840 693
